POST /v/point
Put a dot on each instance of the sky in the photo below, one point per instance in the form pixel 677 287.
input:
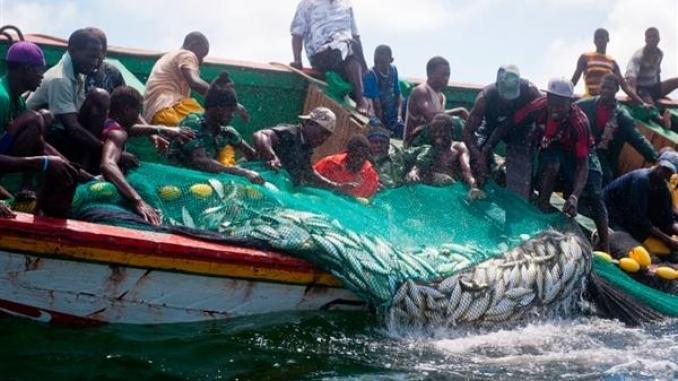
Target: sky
pixel 543 37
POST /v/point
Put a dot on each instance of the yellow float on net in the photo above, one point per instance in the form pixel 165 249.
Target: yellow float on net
pixel 201 190
pixel 102 189
pixel 629 265
pixel 640 255
pixel 169 193
pixel 604 256
pixel 666 273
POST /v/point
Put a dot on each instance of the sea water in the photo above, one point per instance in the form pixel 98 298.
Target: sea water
pixel 338 346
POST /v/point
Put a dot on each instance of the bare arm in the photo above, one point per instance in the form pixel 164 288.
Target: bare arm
pixel 475 118
pixel 581 65
pixel 245 149
pixel 630 91
pixel 196 83
pixel 297 43
pixel 110 155
pixel 465 164
pixel 263 143
pixel 581 174
pixel 79 134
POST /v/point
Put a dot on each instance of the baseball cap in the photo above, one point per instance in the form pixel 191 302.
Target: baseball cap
pixel 508 82
pixel 24 52
pixel 666 164
pixel 561 87
pixel 323 116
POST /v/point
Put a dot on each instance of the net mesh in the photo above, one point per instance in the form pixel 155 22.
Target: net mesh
pixel 660 301
pixel 413 232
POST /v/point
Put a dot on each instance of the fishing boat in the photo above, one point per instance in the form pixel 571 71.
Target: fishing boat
pixel 67 271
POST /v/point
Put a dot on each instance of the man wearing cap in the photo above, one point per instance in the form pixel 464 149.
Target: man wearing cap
pixel 290 147
pixel 22 148
pixel 494 106
pixel 427 100
pixel 561 134
pixel 639 203
pixel 595 65
pixel 612 126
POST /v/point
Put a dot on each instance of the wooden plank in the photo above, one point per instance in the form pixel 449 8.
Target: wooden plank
pixel 347 125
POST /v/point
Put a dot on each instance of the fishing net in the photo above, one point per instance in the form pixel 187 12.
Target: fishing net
pixel 413 232
pixel 660 301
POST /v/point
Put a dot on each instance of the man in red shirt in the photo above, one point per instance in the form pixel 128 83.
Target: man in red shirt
pixel 351 167
pixel 562 137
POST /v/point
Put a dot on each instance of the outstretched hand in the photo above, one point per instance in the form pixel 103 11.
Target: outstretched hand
pixel 146 211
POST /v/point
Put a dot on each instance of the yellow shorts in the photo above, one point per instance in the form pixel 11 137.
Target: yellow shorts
pixel 227 156
pixel 172 116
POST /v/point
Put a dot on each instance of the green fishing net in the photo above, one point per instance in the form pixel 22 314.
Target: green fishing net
pixel 413 232
pixel 660 301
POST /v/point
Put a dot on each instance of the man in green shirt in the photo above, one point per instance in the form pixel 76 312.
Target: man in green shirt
pixel 212 133
pixel 22 147
pixel 612 126
pixel 386 158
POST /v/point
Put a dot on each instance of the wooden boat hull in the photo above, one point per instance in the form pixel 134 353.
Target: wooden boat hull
pixel 79 273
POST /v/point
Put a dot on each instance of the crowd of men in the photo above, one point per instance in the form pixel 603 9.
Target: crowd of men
pixel 75 124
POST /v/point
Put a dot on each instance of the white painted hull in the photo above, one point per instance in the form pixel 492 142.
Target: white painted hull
pixel 50 289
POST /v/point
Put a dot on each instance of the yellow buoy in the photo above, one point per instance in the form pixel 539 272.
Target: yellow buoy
pixel 640 255
pixel 604 256
pixel 201 190
pixel 629 265
pixel 169 193
pixel 666 273
pixel 363 200
pixel 102 189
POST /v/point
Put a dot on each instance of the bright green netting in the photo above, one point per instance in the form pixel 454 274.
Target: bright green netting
pixel 413 232
pixel 659 301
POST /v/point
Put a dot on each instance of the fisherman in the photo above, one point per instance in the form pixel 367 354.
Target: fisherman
pixel 22 147
pixel 495 106
pixel 639 203
pixel 63 92
pixel 595 65
pixel 106 76
pixel 167 99
pixel 562 136
pixel 386 158
pixel 290 147
pixel 612 126
pixel 328 31
pixel 213 133
pixel 427 100
pixel 353 166
pixel 643 70
pixel 92 115
pixel 444 161
pixel 382 90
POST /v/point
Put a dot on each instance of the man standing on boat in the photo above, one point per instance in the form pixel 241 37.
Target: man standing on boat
pixel 167 99
pixel 612 126
pixel 290 147
pixel 595 65
pixel 427 100
pixel 328 31
pixel 560 132
pixel 382 89
pixel 495 106
pixel 22 147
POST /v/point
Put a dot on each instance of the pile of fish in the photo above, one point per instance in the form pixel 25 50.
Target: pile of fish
pixel 443 285
pixel 531 278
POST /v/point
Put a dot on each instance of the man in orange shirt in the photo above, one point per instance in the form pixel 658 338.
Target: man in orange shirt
pixel 351 167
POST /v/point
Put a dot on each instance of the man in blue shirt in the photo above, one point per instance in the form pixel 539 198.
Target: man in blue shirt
pixel 639 203
pixel 382 90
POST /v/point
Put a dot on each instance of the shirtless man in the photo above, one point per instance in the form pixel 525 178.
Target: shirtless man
pixel 443 161
pixel 427 99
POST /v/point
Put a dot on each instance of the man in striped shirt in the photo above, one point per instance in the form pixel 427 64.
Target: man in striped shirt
pixel 595 65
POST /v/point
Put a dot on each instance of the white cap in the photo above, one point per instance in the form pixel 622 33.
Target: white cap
pixel 561 87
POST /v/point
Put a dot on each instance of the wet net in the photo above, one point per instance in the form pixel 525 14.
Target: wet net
pixel 413 232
